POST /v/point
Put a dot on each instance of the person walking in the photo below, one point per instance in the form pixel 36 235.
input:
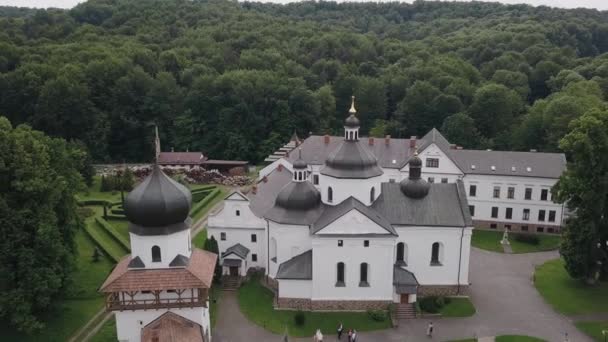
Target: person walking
pixel 354 337
pixel 429 330
pixel 350 335
pixel 340 329
pixel 319 336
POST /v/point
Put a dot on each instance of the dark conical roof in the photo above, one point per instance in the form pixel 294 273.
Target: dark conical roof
pixel 352 159
pixel 298 196
pixel 352 121
pixel 158 201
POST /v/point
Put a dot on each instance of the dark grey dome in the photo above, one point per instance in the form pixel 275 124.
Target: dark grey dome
pixel 300 163
pixel 415 188
pixel 351 159
pixel 158 201
pixel 352 121
pixel 415 161
pixel 298 196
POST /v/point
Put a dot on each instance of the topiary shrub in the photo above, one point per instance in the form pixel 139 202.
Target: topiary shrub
pixel 527 238
pixel 299 318
pixel 377 315
pixel 429 304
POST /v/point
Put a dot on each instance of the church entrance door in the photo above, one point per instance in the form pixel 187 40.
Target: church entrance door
pixel 404 298
pixel 234 271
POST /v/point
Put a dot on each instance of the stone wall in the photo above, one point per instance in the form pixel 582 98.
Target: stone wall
pixel 442 290
pixel 517 227
pixel 331 305
pixel 271 283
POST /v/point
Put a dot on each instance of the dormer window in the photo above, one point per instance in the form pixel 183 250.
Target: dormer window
pixel 528 169
pixel 493 168
pixel 473 167
pixel 513 168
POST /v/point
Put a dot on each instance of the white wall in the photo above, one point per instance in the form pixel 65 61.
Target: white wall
pixel 484 201
pixel 352 222
pixel 227 217
pixel 379 256
pixel 170 246
pixel 447 168
pixel 242 236
pixel 419 242
pixel 291 241
pixel 344 188
pixel 130 323
pixel 289 288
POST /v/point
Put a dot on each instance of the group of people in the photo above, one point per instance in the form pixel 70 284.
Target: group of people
pixel 351 335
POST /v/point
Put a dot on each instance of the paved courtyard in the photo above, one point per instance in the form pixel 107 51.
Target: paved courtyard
pixel 502 291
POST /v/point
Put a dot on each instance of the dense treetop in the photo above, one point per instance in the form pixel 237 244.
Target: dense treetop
pixel 235 79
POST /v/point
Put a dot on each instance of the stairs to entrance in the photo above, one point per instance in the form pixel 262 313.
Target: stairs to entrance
pixel 231 283
pixel 405 311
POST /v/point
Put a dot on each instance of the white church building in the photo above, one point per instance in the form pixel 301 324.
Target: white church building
pixel 160 292
pixel 335 229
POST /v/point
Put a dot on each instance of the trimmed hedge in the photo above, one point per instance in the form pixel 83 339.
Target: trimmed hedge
pixel 112 232
pixel 198 196
pixel 100 240
pixel 200 205
pixel 117 211
pixel 94 202
pixel 203 188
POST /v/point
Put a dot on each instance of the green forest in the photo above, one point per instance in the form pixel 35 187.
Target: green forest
pixel 235 79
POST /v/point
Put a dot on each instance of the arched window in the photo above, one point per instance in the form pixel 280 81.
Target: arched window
pixel 400 254
pixel 436 254
pixel 155 254
pixel 340 275
pixel 330 194
pixel 363 275
pixel 372 195
pixel 273 249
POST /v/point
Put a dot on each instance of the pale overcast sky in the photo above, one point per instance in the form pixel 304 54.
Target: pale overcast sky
pixel 599 4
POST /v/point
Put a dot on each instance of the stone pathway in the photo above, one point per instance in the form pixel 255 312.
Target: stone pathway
pixel 501 289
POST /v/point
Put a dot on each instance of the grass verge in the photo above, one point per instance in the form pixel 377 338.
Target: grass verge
pixel 517 338
pixel 490 241
pixel 107 333
pixel 569 296
pixel 255 302
pixel 594 329
pixel 458 307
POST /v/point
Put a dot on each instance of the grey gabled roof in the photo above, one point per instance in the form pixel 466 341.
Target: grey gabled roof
pixel 179 260
pixel 299 267
pixel 232 262
pixel 404 280
pixel 136 263
pixel 435 209
pixel 508 163
pixel 435 137
pixel 238 250
pixel 267 190
pixel 332 213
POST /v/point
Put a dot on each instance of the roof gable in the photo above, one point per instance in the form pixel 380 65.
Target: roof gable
pixel 299 267
pixel 351 217
pixel 238 250
pixel 236 196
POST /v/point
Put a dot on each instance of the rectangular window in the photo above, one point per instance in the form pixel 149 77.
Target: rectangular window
pixel 315 179
pixel 526 215
pixel 238 213
pixel 544 194
pixel 541 215
pixel 432 162
pixel 254 238
pixel 223 236
pixel 392 180
pixel 493 225
pixel 472 190
pixel 524 228
pixel 528 194
pixel 496 193
pixel 431 179
pixel 340 243
pixel 540 229
pixel 444 180
pixel 551 215
pixel 254 257
pixel 509 213
pixel 511 192
pixel 550 230
pixel 494 212
pixel 365 243
pixel 472 210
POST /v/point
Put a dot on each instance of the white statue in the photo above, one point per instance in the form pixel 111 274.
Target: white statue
pixel 505 238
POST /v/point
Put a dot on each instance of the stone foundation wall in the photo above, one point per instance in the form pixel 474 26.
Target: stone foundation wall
pixel 331 305
pixel 442 290
pixel 517 227
pixel 271 283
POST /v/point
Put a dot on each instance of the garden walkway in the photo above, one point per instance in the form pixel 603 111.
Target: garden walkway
pixel 502 290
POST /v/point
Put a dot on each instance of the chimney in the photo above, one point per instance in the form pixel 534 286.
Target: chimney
pixel 172 150
pixel 326 139
pixel 254 190
pixel 287 153
pixel 387 140
pixel 452 146
pixel 413 141
pixel 265 179
pixel 280 167
pixel 371 141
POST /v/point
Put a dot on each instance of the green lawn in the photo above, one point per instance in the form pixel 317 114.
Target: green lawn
pixel 82 300
pixel 517 338
pixel 458 307
pixel 215 298
pixel 594 329
pixel 107 333
pixel 465 340
pixel 220 197
pixel 490 241
pixel 255 302
pixel 93 192
pixel 200 238
pixel 122 227
pixel 569 296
